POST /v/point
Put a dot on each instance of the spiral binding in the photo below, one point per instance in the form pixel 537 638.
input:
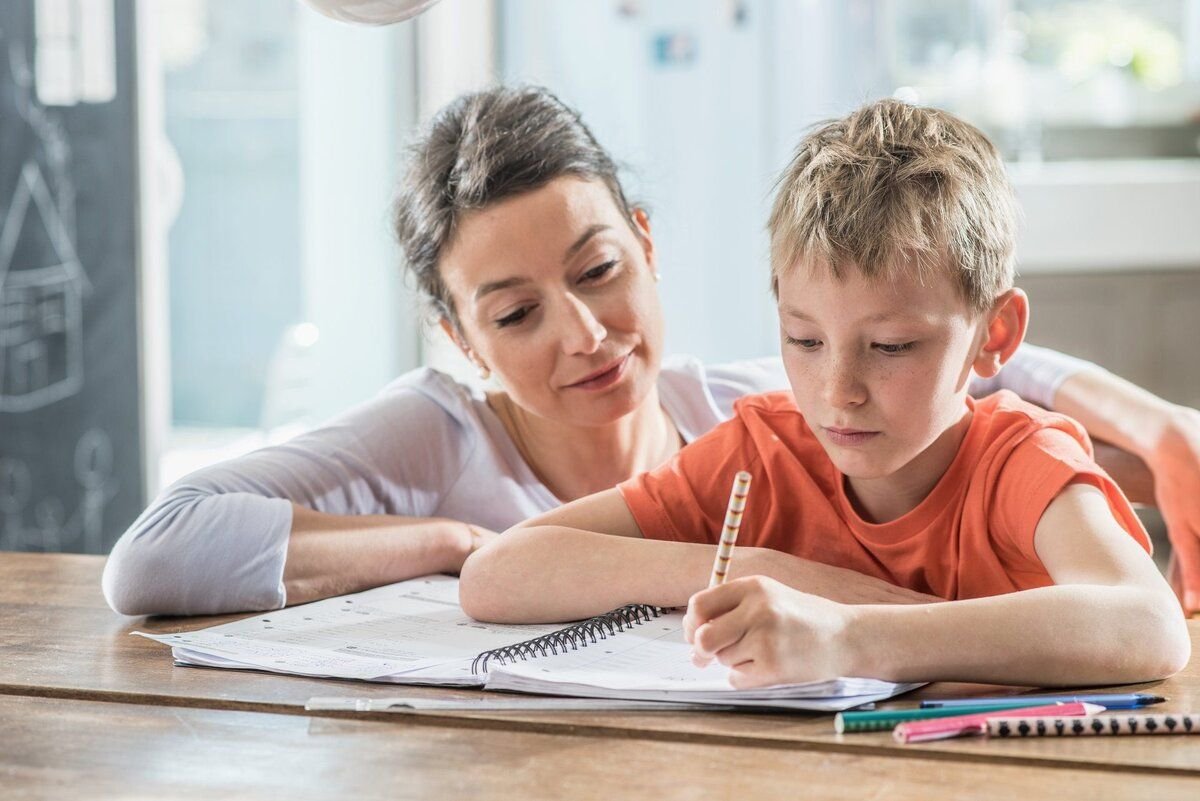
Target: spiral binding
pixel 580 635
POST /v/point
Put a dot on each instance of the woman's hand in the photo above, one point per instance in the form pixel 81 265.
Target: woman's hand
pixel 1167 438
pixel 1175 462
pixel 476 538
pixel 768 633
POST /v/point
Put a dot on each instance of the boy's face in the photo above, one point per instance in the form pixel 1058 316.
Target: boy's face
pixel 879 368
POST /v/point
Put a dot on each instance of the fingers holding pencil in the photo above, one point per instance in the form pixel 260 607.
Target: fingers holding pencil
pixel 767 633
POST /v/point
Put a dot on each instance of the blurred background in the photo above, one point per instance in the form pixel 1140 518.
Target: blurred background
pixel 196 259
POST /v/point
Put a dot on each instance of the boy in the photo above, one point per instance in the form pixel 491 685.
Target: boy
pixel 892 263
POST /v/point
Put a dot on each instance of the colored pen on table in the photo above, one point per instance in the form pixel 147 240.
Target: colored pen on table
pixel 854 722
pixel 1106 700
pixel 729 533
pixel 922 731
pixel 1168 723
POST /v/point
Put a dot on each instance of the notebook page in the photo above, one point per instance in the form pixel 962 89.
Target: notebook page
pixel 653 661
pixel 649 656
pixel 414 628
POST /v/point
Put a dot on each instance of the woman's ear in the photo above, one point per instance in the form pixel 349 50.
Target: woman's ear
pixel 641 224
pixel 1007 321
pixel 452 331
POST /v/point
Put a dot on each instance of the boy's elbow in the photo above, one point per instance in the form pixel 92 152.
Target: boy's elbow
pixel 1166 643
pixel 1179 657
pixel 475 590
pixel 493 580
pixel 1177 647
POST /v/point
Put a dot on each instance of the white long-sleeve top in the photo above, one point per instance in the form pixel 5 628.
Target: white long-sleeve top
pixel 426 446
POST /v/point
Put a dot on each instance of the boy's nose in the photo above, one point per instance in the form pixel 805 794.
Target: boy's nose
pixel 842 385
pixel 582 332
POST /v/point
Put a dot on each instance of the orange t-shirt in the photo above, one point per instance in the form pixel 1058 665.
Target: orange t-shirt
pixel 972 536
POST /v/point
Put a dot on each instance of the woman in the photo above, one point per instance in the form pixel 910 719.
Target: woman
pixel 517 230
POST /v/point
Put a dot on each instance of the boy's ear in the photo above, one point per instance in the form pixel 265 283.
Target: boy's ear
pixel 1007 321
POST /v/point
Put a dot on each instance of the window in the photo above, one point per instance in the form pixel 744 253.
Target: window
pixel 1057 79
pixel 285 300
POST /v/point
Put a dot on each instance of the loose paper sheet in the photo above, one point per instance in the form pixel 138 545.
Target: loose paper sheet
pixel 414 628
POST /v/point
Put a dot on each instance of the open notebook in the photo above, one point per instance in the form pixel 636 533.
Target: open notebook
pixel 415 632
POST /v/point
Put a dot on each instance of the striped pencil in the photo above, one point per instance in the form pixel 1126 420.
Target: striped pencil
pixel 1178 723
pixel 733 521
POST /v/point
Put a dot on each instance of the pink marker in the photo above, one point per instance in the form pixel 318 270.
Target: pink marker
pixel 921 731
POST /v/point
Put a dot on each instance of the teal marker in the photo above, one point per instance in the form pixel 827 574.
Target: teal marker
pixel 886 720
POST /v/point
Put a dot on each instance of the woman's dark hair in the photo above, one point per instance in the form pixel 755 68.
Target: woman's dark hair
pixel 481 148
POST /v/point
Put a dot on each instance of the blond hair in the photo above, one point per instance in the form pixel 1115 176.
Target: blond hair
pixel 896 187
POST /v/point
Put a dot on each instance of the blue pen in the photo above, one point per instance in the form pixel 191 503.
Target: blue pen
pixel 1106 700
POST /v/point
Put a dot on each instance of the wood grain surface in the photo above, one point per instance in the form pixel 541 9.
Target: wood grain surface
pixel 51 748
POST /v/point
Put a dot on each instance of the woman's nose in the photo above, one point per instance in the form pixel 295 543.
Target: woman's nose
pixel 582 331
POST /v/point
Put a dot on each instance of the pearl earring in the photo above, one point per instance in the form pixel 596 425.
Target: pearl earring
pixel 657 276
pixel 484 372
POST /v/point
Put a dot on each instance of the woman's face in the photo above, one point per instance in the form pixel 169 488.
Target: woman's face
pixel 555 294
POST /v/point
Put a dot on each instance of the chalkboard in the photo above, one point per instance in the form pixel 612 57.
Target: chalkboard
pixel 71 463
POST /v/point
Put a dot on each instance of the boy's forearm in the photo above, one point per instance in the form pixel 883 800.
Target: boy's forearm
pixel 547 574
pixel 1053 636
pixel 552 574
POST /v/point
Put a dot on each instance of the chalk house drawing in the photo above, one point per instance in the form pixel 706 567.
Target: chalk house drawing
pixel 41 305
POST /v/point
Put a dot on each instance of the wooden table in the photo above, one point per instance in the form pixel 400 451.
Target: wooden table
pixel 89 749
pixel 65 655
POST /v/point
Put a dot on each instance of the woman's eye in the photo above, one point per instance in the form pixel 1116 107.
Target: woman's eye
pixel 806 344
pixel 894 349
pixel 515 317
pixel 599 271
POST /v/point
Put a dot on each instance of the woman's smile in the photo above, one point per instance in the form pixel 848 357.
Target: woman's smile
pixel 605 377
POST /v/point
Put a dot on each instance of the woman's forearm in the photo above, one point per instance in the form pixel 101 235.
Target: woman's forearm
pixel 1115 410
pixel 1158 441
pixel 1052 636
pixel 331 555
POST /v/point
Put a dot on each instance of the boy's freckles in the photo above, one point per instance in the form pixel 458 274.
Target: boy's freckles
pixel 876 411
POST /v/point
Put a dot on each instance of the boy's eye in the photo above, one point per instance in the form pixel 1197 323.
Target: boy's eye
pixel 599 271
pixel 514 317
pixel 806 344
pixel 893 349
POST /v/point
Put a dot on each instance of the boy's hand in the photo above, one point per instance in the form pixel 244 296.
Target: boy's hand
pixel 768 633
